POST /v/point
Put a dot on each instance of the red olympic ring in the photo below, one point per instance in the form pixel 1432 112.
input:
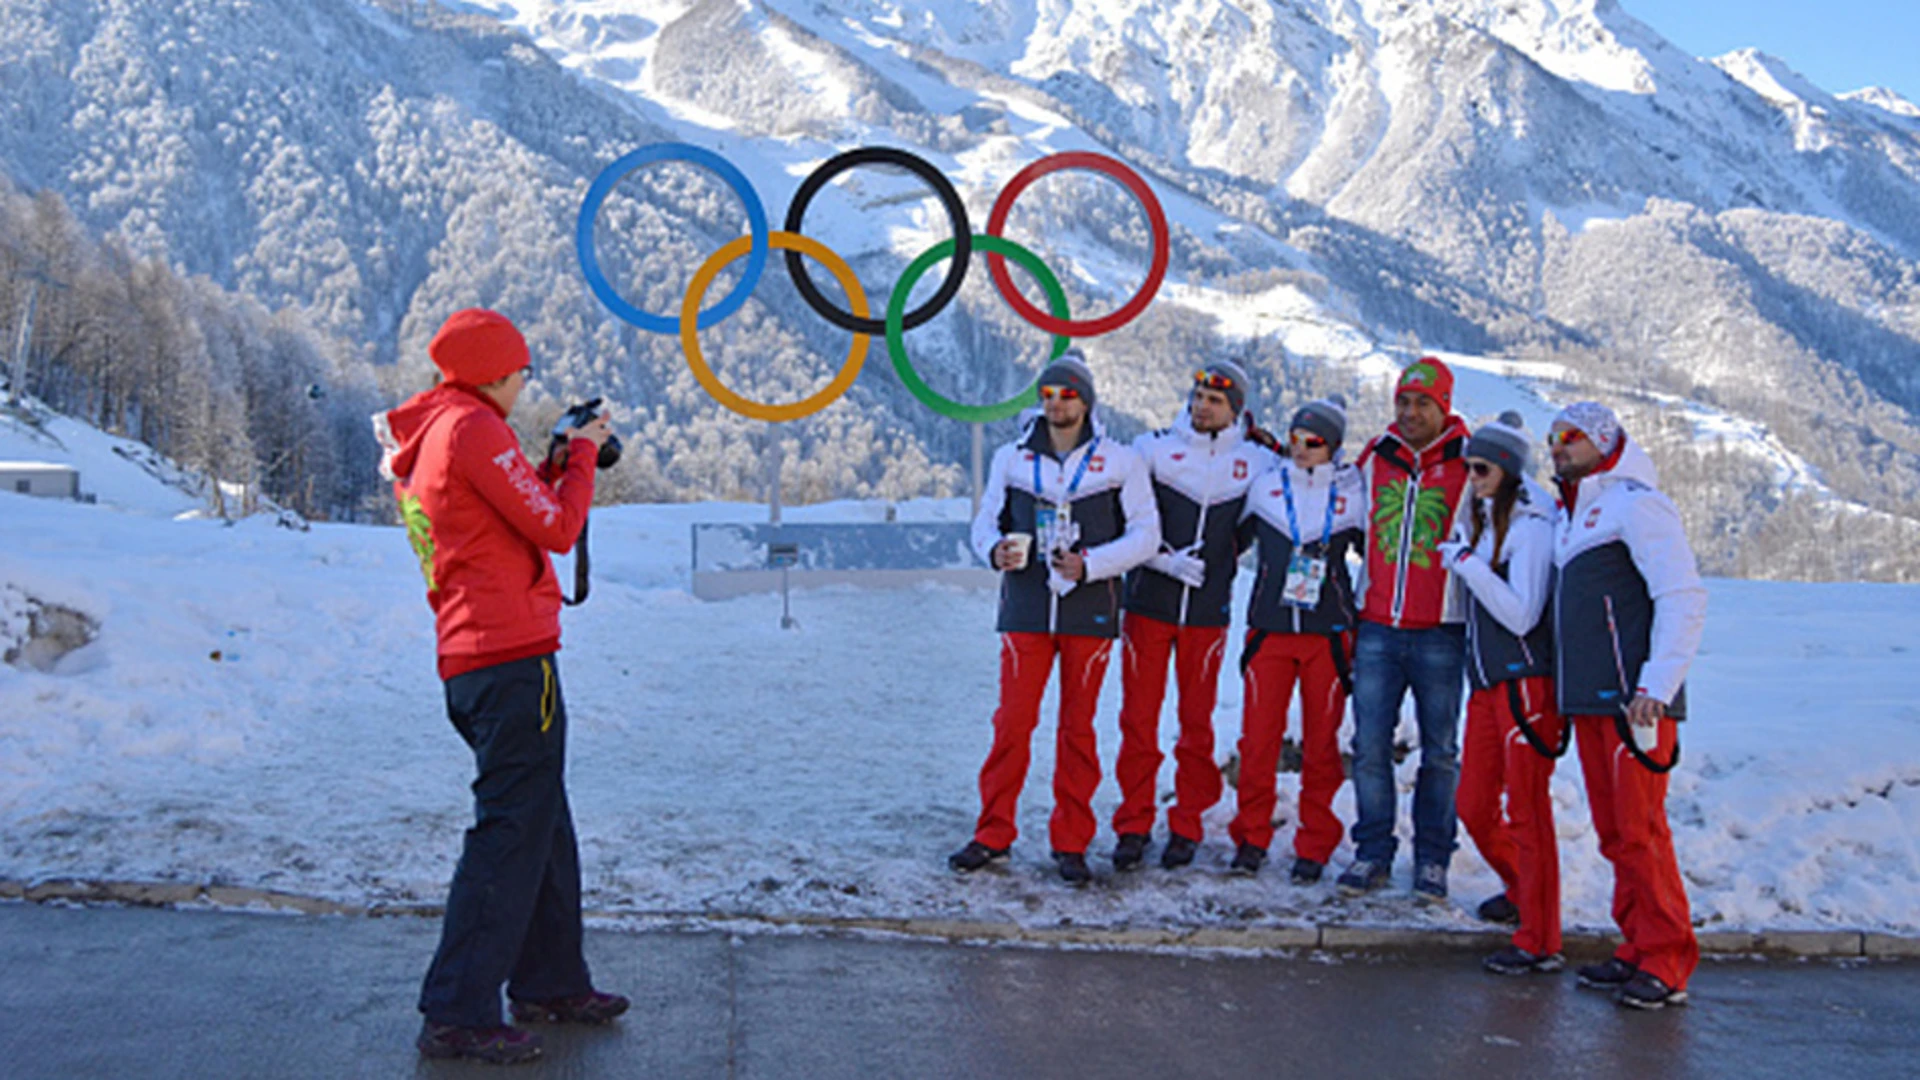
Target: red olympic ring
pixel 1156 223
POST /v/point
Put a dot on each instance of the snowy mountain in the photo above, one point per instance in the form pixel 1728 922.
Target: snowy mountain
pixel 1541 181
pixel 1882 98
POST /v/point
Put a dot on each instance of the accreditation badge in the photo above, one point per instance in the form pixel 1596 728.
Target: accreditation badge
pixel 1306 576
pixel 1053 526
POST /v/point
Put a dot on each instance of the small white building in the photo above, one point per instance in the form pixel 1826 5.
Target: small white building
pixel 40 478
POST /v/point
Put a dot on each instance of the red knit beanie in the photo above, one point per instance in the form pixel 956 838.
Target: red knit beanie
pixel 477 346
pixel 1428 375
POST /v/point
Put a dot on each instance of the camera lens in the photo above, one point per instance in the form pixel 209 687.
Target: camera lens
pixel 609 452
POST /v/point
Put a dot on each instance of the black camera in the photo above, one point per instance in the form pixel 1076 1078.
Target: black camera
pixel 580 416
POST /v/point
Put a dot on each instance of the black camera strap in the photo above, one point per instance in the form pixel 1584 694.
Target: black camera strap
pixel 1518 705
pixel 1625 731
pixel 582 564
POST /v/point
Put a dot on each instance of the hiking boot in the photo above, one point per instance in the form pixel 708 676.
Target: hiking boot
pixel 1363 877
pixel 592 1007
pixel 1131 850
pixel 1306 872
pixel 975 856
pixel 1499 909
pixel 1180 852
pixel 1073 867
pixel 1514 960
pixel 1610 975
pixel 1646 991
pixel 493 1045
pixel 1248 860
pixel 1430 882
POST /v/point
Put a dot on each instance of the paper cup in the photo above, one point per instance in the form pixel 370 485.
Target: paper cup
pixel 1023 549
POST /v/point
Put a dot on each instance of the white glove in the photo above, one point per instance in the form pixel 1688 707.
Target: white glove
pixel 1060 583
pixel 1182 566
pixel 1452 551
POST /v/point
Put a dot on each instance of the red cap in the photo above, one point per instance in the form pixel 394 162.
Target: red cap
pixel 477 346
pixel 1428 375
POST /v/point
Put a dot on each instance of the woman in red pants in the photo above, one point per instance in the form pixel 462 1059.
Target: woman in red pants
pixel 1514 731
pixel 1305 514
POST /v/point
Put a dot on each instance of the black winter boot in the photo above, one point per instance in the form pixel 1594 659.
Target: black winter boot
pixel 975 856
pixel 1131 851
pixel 1179 852
pixel 1248 860
pixel 1073 867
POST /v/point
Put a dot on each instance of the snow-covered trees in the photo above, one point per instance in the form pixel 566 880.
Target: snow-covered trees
pixel 255 400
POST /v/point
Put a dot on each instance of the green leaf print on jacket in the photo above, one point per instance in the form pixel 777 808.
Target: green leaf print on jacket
pixel 419 534
pixel 1429 523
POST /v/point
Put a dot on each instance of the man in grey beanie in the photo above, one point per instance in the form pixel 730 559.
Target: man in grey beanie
pixel 1064 514
pixel 1178 610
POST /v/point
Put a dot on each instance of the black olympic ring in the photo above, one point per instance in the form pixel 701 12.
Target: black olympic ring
pixel 949 200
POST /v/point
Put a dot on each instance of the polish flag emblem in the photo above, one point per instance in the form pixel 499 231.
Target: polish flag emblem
pixel 1098 464
pixel 1593 517
pixel 1240 469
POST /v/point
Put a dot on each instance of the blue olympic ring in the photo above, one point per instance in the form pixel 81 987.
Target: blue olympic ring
pixel 693 155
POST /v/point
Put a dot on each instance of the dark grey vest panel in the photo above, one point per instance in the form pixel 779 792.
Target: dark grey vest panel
pixel 1338 611
pixel 1496 655
pixel 1155 595
pixel 1027 605
pixel 1603 630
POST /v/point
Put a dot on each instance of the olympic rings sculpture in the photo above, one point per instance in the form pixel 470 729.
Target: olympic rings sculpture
pixel 896 320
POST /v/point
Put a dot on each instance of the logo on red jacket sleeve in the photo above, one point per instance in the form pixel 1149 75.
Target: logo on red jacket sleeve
pixel 538 497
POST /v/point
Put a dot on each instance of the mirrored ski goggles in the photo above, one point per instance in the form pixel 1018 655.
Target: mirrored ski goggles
pixel 1062 393
pixel 1301 438
pixel 1213 380
pixel 1565 436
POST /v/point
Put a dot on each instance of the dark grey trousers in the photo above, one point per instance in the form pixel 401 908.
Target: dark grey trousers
pixel 513 911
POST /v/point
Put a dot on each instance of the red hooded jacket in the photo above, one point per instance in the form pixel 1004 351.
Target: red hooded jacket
pixel 1414 502
pixel 482 520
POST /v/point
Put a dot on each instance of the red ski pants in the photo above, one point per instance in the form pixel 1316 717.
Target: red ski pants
pixel 1629 804
pixel 1282 660
pixel 1026 661
pixel 1518 841
pixel 1145 646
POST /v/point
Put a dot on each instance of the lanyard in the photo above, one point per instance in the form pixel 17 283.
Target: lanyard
pixel 1079 475
pixel 1293 520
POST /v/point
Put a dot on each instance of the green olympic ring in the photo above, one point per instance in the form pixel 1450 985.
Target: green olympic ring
pixel 896 328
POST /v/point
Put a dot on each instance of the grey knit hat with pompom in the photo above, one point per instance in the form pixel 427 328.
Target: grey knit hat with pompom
pixel 1505 443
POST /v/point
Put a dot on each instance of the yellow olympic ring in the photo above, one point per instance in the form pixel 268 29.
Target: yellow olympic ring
pixel 690 333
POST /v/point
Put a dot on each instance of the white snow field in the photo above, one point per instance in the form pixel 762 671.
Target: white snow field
pixel 722 766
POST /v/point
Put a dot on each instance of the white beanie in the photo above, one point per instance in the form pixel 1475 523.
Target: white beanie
pixel 1596 421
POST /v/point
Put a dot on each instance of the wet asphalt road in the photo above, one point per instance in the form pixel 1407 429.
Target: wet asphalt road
pixel 146 993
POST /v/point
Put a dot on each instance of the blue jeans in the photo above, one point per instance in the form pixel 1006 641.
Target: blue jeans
pixel 1386 664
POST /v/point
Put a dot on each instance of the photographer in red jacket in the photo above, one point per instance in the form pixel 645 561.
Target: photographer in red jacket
pixel 482 520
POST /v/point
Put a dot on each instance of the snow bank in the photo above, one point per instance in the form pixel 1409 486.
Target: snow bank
pixel 261 709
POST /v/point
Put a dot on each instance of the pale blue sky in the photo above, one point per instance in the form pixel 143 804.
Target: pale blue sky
pixel 1840 44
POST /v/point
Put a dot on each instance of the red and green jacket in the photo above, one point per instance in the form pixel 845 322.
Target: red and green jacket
pixel 1414 500
pixel 482 519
